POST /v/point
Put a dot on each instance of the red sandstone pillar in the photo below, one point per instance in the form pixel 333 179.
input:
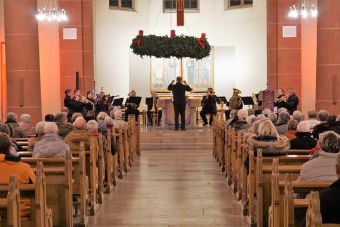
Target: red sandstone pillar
pixel 22 57
pixel 328 57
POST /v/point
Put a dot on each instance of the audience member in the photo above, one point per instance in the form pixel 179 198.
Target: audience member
pixel 312 118
pixel 282 109
pixel 11 122
pixel 250 120
pixel 282 123
pixel 14 147
pixel 39 132
pixel 266 112
pixel 292 125
pixel 50 144
pixel 49 118
pixel 336 126
pixel 12 165
pixel 241 119
pixel 25 128
pixel 269 140
pixel 331 119
pixel 323 126
pixel 304 139
pixel 75 116
pixel 298 116
pixel 118 121
pixel 92 128
pixel 101 124
pixel 321 168
pixel 330 199
pixel 272 117
pixel 78 134
pixel 251 112
pixel 63 126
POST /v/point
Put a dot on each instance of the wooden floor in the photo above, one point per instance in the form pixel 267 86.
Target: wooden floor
pixel 175 182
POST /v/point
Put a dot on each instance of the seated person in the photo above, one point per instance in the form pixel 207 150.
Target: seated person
pixel 63 126
pixel 11 165
pixel 109 126
pixel 323 126
pixel 152 108
pixel 78 134
pixel 241 119
pixel 50 145
pixel 266 112
pixel 272 117
pixel 39 132
pixel 131 108
pixel 321 168
pixel 250 121
pixel 101 124
pixel 312 118
pixel 292 125
pixel 304 139
pixel 282 123
pixel 92 128
pixel 75 116
pixel 330 199
pixel 208 107
pixel 49 118
pixel 25 128
pixel 336 125
pixel 118 121
pixel 11 122
pixel 14 147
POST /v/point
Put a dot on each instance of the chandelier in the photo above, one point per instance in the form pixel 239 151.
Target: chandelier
pixel 51 12
pixel 303 10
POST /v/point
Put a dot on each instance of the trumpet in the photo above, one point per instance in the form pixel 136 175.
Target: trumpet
pixel 283 98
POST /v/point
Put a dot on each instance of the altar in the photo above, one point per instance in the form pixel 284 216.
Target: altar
pixel 167 106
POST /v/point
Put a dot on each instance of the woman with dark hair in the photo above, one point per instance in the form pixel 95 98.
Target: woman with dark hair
pixel 49 118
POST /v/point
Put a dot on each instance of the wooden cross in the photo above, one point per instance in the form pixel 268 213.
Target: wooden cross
pixel 180 12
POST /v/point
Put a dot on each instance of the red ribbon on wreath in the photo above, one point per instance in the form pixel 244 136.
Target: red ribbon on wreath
pixel 200 40
pixel 138 42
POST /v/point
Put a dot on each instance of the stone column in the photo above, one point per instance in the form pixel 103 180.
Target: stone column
pixel 22 58
pixel 328 57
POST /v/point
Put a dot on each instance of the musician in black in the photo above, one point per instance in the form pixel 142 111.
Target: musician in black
pixel 131 108
pixel 153 109
pixel 292 101
pixel 179 100
pixel 90 101
pixel 101 103
pixel 74 104
pixel 280 99
pixel 208 107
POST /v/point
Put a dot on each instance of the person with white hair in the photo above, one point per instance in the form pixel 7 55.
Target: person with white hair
pixel 321 168
pixel 101 124
pixel 312 118
pixel 25 128
pixel 92 128
pixel 63 126
pixel 272 117
pixel 50 144
pixel 330 199
pixel 241 119
pixel 323 126
pixel 75 116
pixel 304 139
pixel 266 112
pixel 78 134
pixel 250 120
pixel 282 123
pixel 11 122
pixel 298 115
pixel 118 122
pixel 39 132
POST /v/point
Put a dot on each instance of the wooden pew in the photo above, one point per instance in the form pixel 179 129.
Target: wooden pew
pixel 23 142
pixel 313 215
pixel 58 175
pixel 110 163
pixel 40 214
pixel 10 207
pixel 282 205
pixel 101 168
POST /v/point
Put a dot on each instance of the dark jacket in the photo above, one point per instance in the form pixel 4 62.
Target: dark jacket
pixel 336 127
pixel 320 128
pixel 292 103
pixel 209 104
pixel 330 203
pixel 150 104
pixel 303 141
pixel 178 92
pixel 278 103
pixel 238 124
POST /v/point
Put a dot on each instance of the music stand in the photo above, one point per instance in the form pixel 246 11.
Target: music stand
pixel 149 101
pixel 118 102
pixel 248 100
pixel 135 100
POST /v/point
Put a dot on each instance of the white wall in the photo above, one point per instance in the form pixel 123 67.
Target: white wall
pixel 239 36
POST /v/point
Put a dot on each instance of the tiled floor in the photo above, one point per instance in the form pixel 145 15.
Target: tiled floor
pixel 171 188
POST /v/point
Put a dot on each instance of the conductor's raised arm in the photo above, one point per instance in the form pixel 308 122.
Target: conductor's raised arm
pixel 187 87
pixel 171 85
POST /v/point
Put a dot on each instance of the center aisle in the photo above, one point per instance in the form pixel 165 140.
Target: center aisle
pixel 175 182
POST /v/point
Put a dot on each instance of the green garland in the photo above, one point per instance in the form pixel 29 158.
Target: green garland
pixel 166 47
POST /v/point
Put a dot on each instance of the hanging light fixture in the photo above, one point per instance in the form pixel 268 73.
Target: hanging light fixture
pixel 51 12
pixel 303 10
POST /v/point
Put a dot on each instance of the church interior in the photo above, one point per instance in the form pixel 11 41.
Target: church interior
pixel 169 113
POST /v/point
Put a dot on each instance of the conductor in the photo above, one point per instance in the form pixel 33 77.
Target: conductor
pixel 179 100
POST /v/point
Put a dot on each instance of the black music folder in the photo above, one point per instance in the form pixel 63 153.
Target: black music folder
pixel 221 99
pixel 149 101
pixel 135 100
pixel 118 102
pixel 248 100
